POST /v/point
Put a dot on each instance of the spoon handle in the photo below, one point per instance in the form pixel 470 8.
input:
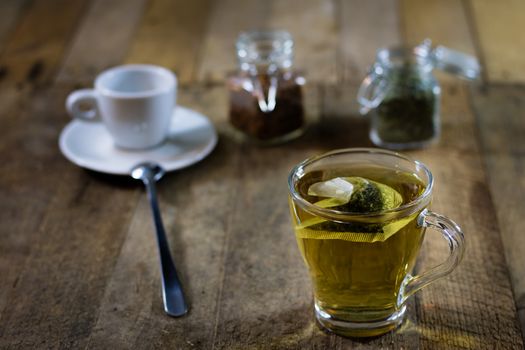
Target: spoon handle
pixel 174 302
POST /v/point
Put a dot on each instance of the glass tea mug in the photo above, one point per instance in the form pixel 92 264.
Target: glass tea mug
pixel 361 263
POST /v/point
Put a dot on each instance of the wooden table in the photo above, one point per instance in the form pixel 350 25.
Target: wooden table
pixel 78 261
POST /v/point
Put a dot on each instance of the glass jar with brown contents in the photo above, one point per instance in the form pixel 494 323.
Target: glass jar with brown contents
pixel 266 102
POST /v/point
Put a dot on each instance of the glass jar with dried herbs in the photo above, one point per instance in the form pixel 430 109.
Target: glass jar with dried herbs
pixel 266 102
pixel 402 95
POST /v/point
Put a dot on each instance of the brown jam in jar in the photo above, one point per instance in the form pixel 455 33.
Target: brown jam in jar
pixel 266 102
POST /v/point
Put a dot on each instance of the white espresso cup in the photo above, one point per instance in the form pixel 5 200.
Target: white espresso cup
pixel 135 102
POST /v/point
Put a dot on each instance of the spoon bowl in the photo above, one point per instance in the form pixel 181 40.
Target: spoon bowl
pixel 147 171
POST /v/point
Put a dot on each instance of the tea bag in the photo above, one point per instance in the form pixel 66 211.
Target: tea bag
pixel 338 190
pixel 355 194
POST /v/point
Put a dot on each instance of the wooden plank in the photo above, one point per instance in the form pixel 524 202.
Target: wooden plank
pixel 59 206
pixel 10 11
pixel 358 44
pixel 443 21
pixel 315 50
pixel 170 36
pixel 227 19
pixel 499 27
pixel 24 136
pixel 265 300
pixel 342 125
pixel 197 205
pixel 35 48
pixel 462 307
pixel 500 115
pixel 130 293
pixel 61 228
pixel 24 201
pixel 103 38
pixel 521 313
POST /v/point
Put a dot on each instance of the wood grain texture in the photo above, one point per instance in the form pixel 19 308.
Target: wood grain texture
pixel 30 129
pixel 443 21
pixel 61 230
pixel 227 19
pixel 315 51
pixel 34 50
pixel 103 38
pixel 265 299
pixel 499 27
pixel 78 258
pixel 10 10
pixel 17 185
pixel 500 115
pixel 461 306
pixel 170 35
pixel 40 276
pixel 197 204
pixel 358 44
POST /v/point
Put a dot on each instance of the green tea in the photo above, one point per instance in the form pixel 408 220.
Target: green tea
pixel 358 266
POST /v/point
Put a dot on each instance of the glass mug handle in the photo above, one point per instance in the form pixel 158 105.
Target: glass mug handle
pixel 372 90
pixel 456 242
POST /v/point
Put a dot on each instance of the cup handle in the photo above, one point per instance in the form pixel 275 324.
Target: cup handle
pixel 83 96
pixel 372 91
pixel 456 242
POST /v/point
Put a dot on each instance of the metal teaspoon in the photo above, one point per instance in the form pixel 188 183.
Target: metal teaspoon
pixel 174 303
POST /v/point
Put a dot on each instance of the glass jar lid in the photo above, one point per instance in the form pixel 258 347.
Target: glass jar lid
pixel 427 58
pixel 451 61
pixel 265 50
pixel 455 62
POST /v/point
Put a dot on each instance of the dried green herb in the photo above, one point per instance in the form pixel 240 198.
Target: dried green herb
pixel 407 113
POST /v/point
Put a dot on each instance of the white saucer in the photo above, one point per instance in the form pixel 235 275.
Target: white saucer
pixel 88 144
